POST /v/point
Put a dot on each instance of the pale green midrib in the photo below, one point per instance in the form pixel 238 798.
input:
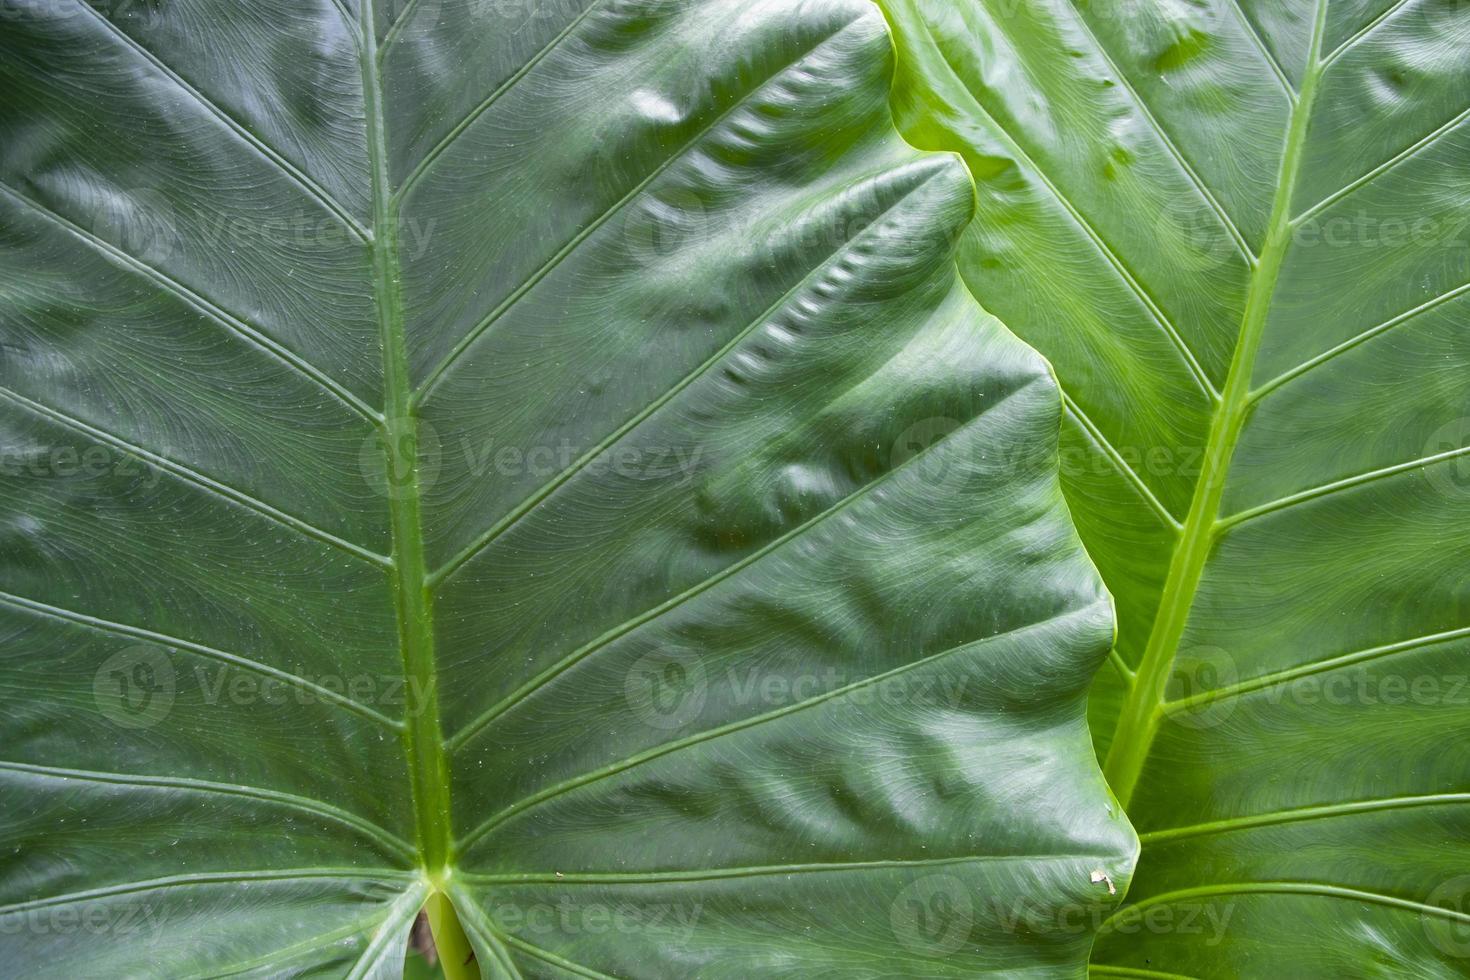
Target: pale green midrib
pixel 424 744
pixel 1139 718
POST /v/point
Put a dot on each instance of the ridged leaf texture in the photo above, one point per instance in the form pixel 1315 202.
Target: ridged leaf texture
pixel 535 454
pixel 1238 229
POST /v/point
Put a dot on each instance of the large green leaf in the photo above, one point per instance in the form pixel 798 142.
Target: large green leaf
pixel 1239 231
pixel 540 454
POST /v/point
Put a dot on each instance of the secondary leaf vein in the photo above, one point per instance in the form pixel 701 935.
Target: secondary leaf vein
pixel 1155 312
pixel 525 506
pixel 1338 486
pixel 199 304
pixel 586 232
pixel 189 475
pixel 161 639
pixel 206 878
pixel 1356 341
pixel 1279 817
pixel 285 167
pixel 649 755
pixel 473 728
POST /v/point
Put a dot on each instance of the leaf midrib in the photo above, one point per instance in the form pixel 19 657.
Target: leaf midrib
pixel 423 740
pixel 412 582
pixel 1143 707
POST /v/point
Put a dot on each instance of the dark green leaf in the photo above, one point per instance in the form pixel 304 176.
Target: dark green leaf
pixel 535 453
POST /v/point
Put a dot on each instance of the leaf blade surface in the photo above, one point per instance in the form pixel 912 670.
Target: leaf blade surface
pixel 1266 437
pixel 562 469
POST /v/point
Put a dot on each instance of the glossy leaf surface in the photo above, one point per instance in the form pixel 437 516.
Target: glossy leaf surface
pixel 541 453
pixel 1239 232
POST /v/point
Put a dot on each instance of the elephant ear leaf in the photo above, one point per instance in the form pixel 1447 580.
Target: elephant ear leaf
pixel 536 460
pixel 1239 231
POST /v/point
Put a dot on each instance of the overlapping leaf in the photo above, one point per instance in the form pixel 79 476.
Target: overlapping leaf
pixel 1238 229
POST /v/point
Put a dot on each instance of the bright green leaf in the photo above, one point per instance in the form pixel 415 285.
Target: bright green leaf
pixel 1239 231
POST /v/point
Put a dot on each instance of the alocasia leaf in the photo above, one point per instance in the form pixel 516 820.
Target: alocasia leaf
pixel 535 454
pixel 1239 231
